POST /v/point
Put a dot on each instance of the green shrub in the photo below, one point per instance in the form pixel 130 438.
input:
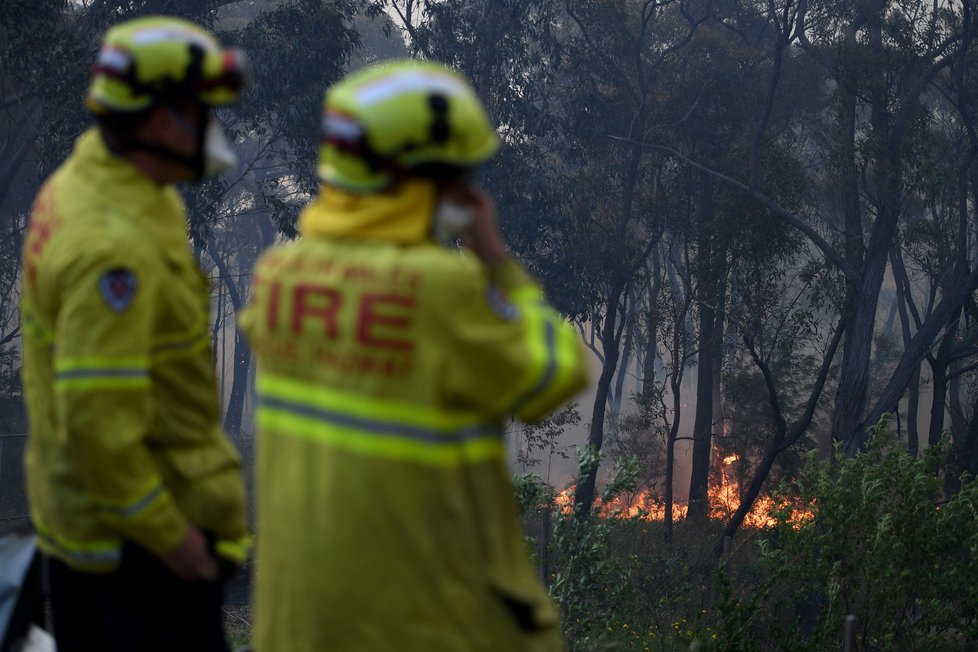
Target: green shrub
pixel 883 544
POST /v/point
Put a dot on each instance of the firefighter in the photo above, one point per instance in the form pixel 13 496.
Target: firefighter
pixel 136 495
pixel 388 364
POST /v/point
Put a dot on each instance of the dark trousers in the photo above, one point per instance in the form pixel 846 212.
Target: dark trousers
pixel 141 607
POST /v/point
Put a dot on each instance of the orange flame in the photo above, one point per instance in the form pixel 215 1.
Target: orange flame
pixel 724 499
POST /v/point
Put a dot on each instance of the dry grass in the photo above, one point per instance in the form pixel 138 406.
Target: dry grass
pixel 237 626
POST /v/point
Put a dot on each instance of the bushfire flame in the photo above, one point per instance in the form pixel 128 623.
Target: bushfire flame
pixel 724 499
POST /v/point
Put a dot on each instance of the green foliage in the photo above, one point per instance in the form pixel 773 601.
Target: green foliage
pixel 531 492
pixel 590 582
pixel 883 544
pixel 872 535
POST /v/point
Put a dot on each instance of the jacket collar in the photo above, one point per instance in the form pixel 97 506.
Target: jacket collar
pixel 401 215
pixel 121 183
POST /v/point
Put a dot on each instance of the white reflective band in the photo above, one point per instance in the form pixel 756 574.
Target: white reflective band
pixel 173 33
pixel 342 126
pixel 405 82
pixel 96 557
pixel 137 506
pixel 114 59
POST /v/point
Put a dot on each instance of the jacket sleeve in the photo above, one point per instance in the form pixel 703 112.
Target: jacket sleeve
pixel 512 354
pixel 103 397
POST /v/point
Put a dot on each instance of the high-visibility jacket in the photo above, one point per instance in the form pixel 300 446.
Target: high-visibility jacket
pixel 387 365
pixel 124 432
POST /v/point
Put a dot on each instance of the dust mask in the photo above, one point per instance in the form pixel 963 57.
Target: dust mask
pixel 218 155
pixel 451 219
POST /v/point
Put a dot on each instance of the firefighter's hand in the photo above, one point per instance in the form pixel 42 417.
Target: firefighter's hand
pixel 191 561
pixel 483 236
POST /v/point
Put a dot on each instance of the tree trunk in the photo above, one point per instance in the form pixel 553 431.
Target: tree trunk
pixel 783 438
pixel 913 414
pixel 939 366
pixel 969 445
pixel 242 352
pixel 668 496
pixel 939 318
pixel 863 292
pixel 913 393
pixel 239 386
pixel 703 422
pixel 939 393
pixel 710 303
pixel 652 328
pixel 675 384
pixel 611 333
pixel 610 337
pixel 748 497
pixel 615 397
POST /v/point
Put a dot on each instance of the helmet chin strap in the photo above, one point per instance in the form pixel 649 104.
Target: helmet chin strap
pixel 194 163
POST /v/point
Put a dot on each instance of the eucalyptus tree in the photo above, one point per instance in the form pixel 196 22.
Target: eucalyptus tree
pixel 882 56
pixel 938 247
pixel 613 207
pixel 662 401
pixel 886 80
pixel 732 98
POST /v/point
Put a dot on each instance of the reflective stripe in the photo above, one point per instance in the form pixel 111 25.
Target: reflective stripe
pixel 82 364
pixel 421 81
pixel 133 508
pixel 567 372
pixel 103 372
pixel 549 370
pixel 91 554
pixel 193 342
pixel 189 343
pixel 415 433
pixel 445 454
pixel 376 428
pixel 271 385
pixel 543 354
pixel 117 379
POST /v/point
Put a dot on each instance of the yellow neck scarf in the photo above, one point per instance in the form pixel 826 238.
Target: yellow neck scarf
pixel 402 214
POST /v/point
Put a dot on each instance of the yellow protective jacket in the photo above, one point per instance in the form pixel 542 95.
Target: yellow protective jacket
pixel 387 365
pixel 125 441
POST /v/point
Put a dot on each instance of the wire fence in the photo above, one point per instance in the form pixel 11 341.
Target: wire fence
pixel 13 490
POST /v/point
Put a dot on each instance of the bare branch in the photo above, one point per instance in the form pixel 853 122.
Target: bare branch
pixel 795 221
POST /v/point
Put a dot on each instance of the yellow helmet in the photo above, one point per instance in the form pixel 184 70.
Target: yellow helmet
pixel 393 118
pixel 159 59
